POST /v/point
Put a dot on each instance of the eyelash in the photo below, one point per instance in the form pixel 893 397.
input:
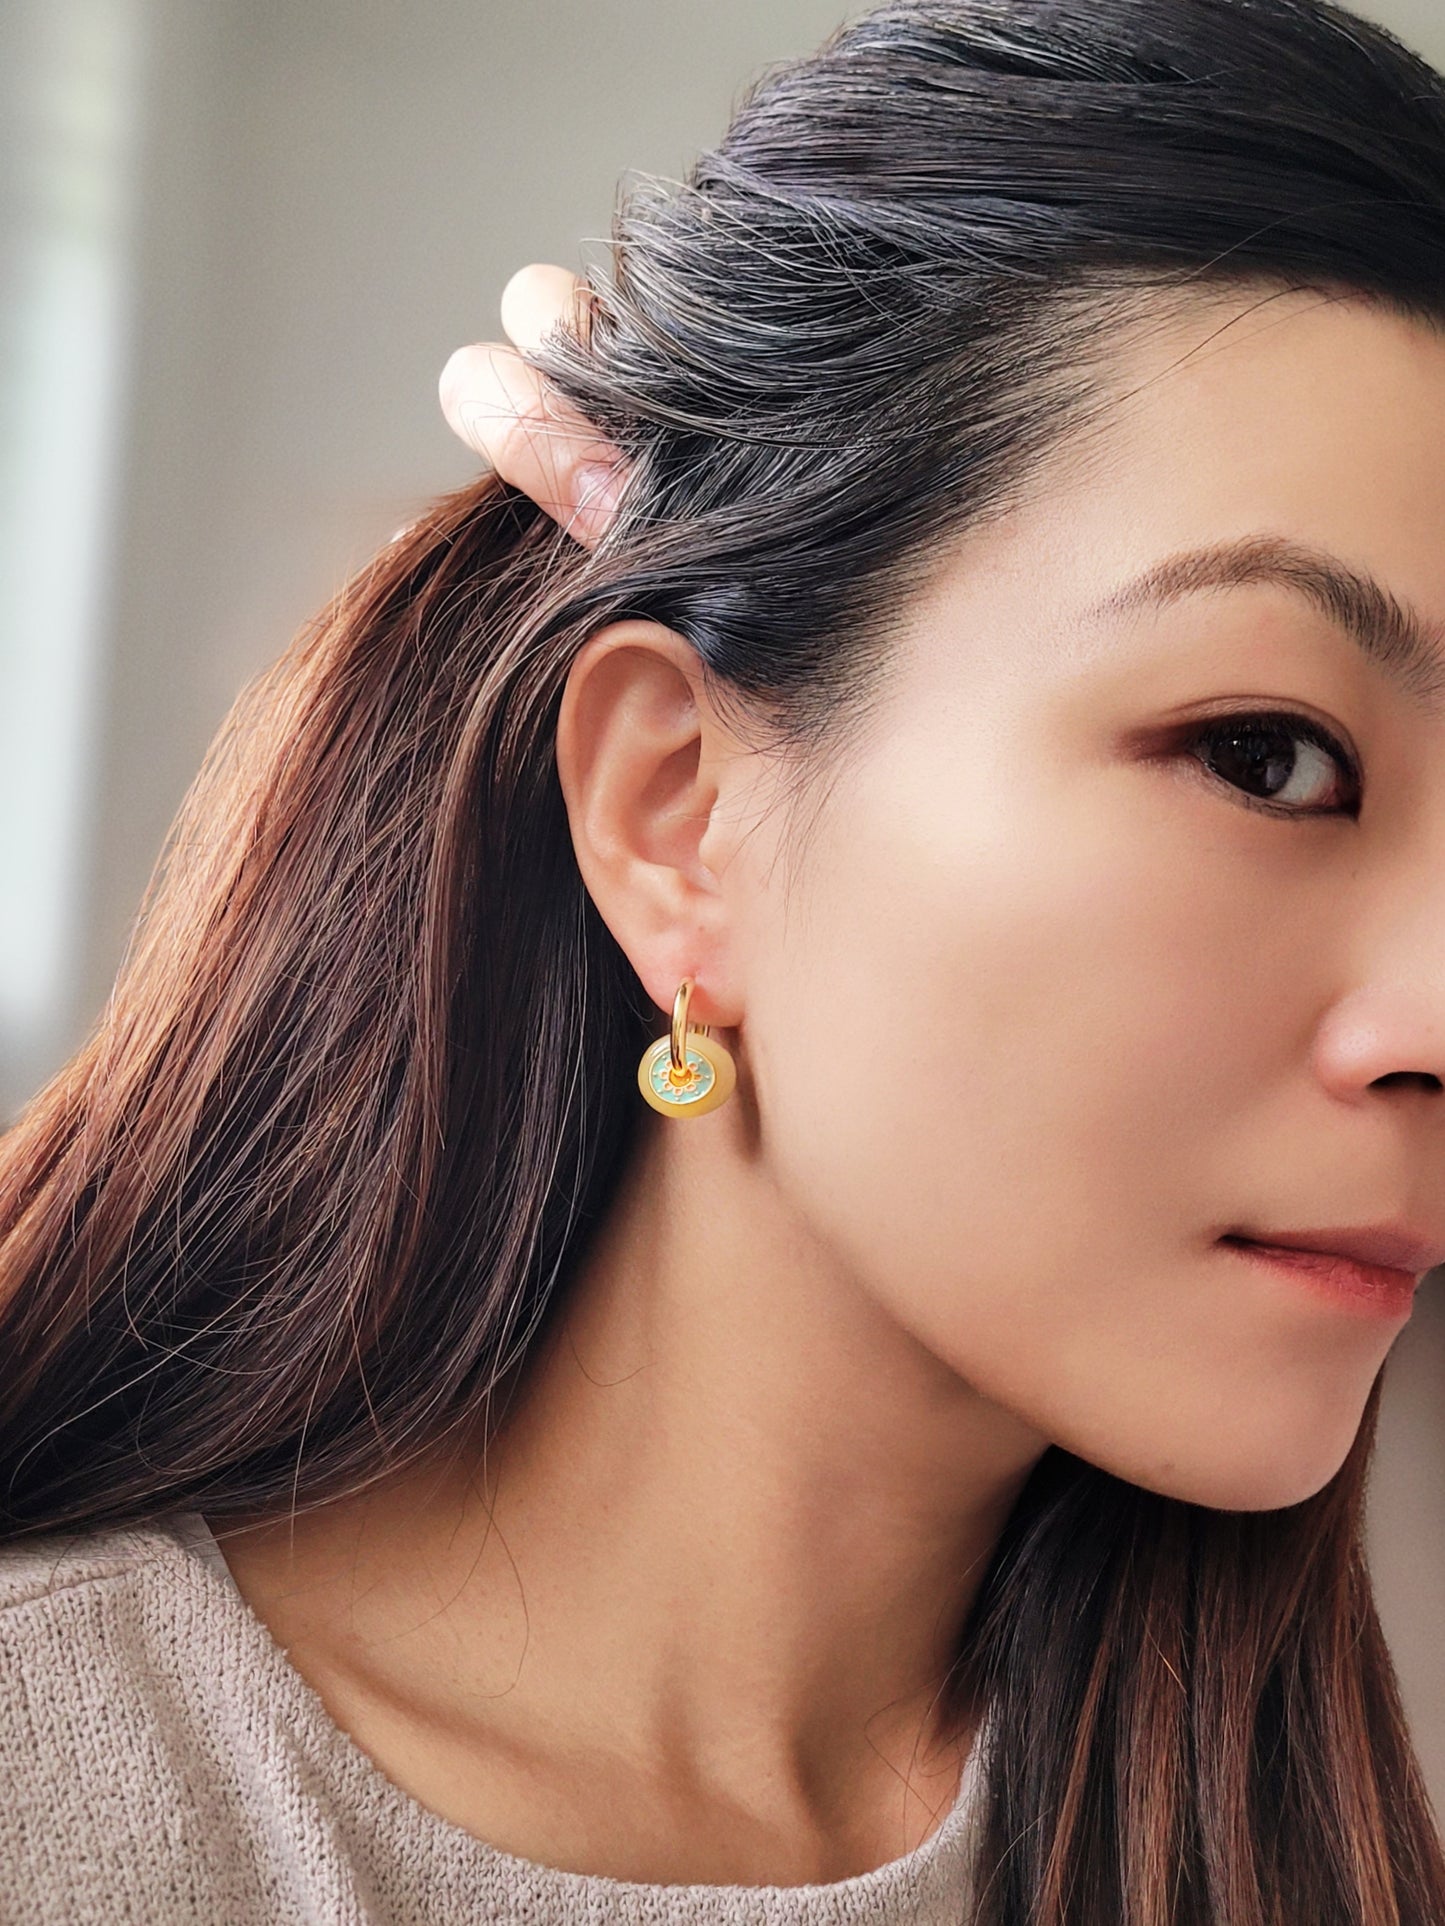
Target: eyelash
pixel 1283 722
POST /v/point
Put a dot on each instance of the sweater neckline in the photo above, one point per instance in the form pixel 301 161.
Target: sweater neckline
pixel 942 1861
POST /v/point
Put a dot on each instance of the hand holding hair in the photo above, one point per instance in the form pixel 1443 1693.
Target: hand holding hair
pixel 504 410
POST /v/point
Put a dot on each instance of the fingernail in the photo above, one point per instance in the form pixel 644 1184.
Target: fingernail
pixel 596 489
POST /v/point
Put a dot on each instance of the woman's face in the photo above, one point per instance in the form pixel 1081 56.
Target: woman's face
pixel 1053 1007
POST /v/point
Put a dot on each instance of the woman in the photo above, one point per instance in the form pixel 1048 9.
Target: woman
pixel 727 1250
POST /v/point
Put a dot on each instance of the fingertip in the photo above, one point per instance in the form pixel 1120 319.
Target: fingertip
pixel 516 287
pixel 449 382
pixel 535 299
pixel 475 396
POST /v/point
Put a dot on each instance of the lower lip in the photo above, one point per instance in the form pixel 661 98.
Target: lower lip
pixel 1368 1288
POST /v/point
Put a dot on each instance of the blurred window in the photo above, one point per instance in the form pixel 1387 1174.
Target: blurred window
pixel 69 94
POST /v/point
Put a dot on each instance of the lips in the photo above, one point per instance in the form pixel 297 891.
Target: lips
pixel 1385 1246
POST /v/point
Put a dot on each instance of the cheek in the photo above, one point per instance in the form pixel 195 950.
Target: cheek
pixel 996 1057
pixel 996 1037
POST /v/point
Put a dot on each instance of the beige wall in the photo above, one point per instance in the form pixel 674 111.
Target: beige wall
pixel 328 199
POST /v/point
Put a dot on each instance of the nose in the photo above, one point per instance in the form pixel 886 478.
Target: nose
pixel 1386 1036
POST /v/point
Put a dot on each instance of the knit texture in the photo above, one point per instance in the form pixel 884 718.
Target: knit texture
pixel 162 1761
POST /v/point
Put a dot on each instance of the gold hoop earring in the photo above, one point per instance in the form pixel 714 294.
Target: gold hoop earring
pixel 688 1071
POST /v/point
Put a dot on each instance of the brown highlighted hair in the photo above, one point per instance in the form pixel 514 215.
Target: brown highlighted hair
pixel 300 1206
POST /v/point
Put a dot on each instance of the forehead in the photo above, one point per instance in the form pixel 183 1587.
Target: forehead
pixel 1317 417
pixel 1298 393
pixel 1296 418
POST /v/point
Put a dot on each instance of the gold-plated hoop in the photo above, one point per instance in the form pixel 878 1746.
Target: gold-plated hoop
pixel 689 1071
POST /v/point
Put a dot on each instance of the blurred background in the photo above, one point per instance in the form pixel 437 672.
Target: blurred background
pixel 238 240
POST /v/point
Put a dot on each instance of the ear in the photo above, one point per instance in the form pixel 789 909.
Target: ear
pixel 645 763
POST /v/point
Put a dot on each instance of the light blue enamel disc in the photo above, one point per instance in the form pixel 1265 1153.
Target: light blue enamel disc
pixel 706 1076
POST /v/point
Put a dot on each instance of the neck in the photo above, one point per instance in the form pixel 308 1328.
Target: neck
pixel 728 1530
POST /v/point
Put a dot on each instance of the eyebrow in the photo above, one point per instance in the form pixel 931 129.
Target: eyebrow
pixel 1394 636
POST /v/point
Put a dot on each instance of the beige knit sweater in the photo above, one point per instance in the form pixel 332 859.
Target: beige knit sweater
pixel 162 1761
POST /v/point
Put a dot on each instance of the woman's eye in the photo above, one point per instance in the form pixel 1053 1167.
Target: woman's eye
pixel 1289 764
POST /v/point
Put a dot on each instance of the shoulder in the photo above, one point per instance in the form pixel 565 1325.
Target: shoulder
pixel 81 1608
pixel 161 1761
pixel 114 1794
pixel 75 1611
pixel 40 1572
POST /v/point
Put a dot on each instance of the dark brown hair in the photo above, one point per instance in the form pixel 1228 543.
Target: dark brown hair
pixel 299 1208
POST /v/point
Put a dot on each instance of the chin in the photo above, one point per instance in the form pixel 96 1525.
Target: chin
pixel 1249 1492
pixel 1270 1478
pixel 1257 1485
